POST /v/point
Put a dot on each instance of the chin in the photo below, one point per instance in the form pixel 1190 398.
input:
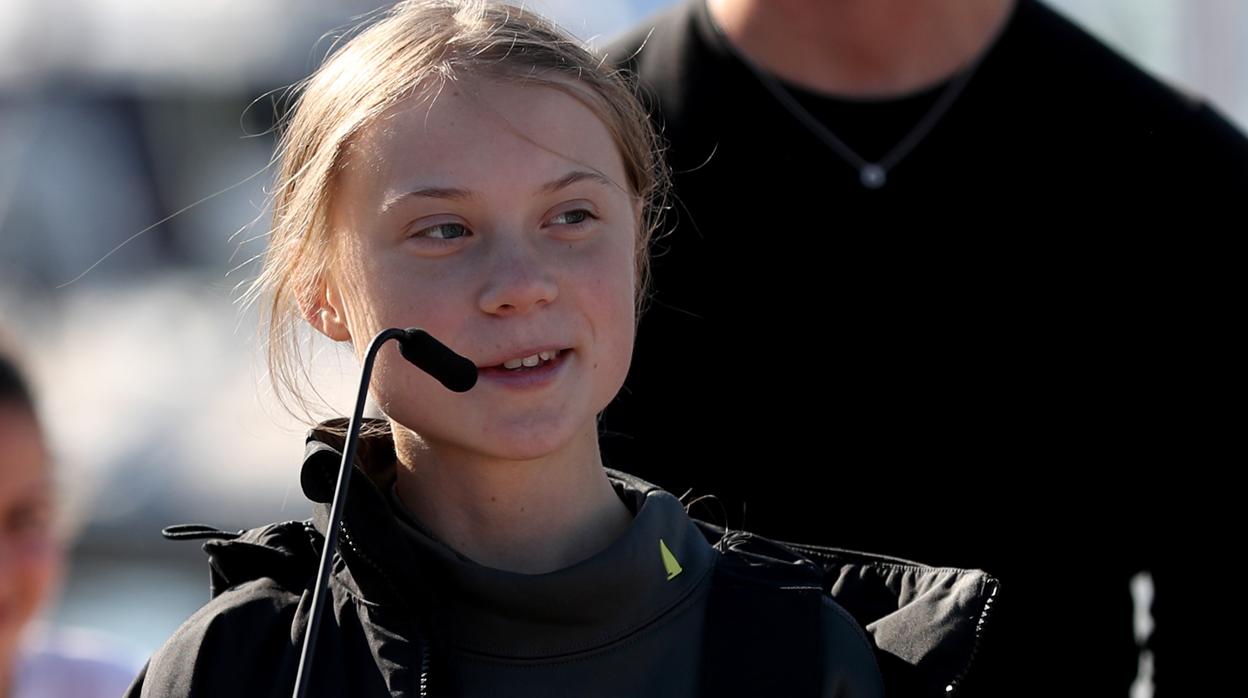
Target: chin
pixel 512 437
pixel 529 441
pixel 526 447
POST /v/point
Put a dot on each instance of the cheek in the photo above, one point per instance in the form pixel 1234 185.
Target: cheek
pixel 34 570
pixel 387 280
pixel 402 391
pixel 623 283
pixel 385 295
pixel 612 292
pixel 397 291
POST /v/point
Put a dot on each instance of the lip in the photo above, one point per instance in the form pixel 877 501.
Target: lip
pixel 527 379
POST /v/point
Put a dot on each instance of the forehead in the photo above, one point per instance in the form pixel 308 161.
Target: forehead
pixel 479 130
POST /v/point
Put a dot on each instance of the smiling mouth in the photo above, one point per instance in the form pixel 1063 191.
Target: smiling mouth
pixel 532 362
pixel 525 375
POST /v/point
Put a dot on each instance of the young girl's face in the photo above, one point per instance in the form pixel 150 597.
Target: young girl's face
pixel 496 216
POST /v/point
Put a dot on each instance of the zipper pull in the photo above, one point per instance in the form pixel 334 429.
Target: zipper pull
pixel 197 532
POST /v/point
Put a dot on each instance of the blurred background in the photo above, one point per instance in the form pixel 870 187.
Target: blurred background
pixel 134 139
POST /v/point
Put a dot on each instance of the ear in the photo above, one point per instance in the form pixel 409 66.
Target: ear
pixel 325 311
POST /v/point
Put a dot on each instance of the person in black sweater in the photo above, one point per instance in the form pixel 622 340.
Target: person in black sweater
pixel 958 267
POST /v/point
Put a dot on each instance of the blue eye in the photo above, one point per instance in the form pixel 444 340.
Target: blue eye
pixel 573 217
pixel 443 231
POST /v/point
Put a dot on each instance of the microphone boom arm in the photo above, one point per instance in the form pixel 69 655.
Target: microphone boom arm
pixel 335 512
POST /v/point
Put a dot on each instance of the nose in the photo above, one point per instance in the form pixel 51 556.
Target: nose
pixel 519 279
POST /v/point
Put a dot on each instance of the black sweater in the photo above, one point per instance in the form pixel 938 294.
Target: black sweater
pixel 1020 350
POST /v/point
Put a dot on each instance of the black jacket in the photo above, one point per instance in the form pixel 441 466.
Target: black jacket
pixel 755 612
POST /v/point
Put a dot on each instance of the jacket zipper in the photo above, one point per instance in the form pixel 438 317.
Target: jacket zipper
pixel 956 683
pixel 426 659
pixel 424 669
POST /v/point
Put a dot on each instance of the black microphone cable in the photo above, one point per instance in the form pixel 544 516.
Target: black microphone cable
pixel 431 356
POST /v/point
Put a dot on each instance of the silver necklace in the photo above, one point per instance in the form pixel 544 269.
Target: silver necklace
pixel 873 175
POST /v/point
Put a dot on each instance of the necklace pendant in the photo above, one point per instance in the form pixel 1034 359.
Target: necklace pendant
pixel 873 176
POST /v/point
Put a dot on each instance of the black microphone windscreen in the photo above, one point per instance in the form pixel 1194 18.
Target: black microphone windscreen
pixel 435 358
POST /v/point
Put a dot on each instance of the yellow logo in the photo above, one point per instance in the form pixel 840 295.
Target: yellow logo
pixel 669 561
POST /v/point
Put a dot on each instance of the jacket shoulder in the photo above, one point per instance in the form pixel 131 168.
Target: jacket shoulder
pixel 926 623
pixel 286 553
pixel 239 643
pixel 923 624
pixel 769 612
pixel 236 644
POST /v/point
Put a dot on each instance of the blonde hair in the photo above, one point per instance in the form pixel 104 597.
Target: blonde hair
pixel 413 45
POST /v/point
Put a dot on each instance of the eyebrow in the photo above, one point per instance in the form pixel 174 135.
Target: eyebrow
pixel 576 176
pixel 454 194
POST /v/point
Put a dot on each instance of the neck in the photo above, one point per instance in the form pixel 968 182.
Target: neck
pixel 527 516
pixel 862 48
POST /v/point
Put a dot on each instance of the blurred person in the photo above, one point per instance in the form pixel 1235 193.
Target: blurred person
pixel 470 169
pixel 959 257
pixel 36 659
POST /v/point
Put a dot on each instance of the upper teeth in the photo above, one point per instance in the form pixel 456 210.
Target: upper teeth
pixel 530 361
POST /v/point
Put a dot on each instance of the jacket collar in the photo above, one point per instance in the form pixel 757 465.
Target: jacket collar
pixel 656 565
